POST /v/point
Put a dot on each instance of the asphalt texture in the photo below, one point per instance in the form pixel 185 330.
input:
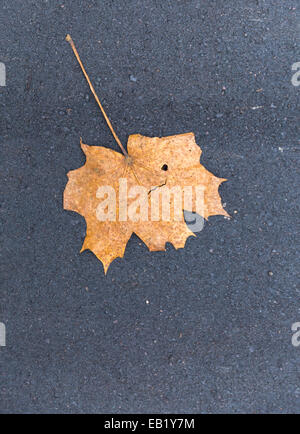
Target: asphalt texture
pixel 207 328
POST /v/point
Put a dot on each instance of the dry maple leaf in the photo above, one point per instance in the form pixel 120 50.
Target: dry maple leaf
pixel 152 166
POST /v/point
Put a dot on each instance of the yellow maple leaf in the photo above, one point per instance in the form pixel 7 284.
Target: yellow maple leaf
pixel 144 191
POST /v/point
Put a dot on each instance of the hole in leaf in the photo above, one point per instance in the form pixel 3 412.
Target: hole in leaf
pixel 164 167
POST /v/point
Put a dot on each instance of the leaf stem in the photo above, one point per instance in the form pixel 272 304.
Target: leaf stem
pixel 70 40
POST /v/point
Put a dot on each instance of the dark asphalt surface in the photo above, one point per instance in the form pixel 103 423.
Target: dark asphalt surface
pixel 204 329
